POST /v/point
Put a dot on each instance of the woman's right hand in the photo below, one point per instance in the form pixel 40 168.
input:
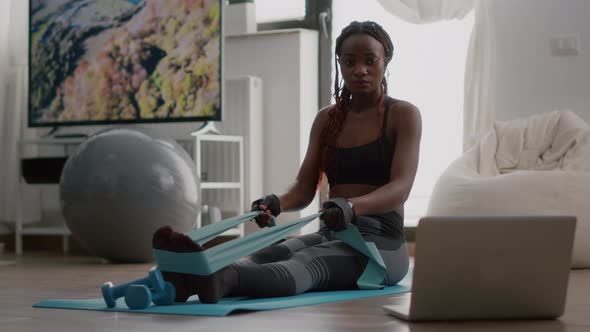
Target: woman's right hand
pixel 270 204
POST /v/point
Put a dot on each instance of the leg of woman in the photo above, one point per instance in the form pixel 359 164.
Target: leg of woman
pixel 212 287
pixel 386 231
pixel 255 270
pixel 296 266
pixel 284 249
pixel 328 266
pixel 395 256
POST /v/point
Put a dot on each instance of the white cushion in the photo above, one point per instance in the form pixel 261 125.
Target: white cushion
pixel 474 185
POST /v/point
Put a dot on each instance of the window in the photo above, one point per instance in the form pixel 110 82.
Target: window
pixel 427 70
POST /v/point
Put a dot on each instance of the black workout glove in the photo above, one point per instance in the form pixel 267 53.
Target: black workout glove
pixel 338 213
pixel 270 204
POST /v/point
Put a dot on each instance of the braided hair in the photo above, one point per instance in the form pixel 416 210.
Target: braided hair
pixel 342 95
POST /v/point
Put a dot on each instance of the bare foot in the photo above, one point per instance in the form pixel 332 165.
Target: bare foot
pixel 207 287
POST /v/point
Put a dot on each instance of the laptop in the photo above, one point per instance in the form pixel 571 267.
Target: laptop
pixel 499 267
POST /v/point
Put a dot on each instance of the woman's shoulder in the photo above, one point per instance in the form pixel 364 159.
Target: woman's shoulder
pixel 403 114
pixel 324 110
pixel 321 119
pixel 322 115
pixel 402 106
pixel 401 109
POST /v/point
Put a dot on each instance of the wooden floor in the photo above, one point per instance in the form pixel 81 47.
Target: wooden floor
pixel 37 276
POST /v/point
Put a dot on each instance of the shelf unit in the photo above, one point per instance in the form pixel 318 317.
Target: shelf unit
pixel 20 230
pixel 238 185
pixel 69 143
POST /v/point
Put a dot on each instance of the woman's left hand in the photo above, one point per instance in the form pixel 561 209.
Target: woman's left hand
pixel 337 213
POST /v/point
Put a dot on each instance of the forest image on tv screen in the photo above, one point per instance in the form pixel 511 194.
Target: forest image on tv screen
pixel 124 60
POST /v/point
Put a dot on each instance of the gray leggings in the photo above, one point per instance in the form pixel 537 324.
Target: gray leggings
pixel 316 262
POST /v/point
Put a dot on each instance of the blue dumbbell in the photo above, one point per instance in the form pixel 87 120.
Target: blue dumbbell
pixel 154 280
pixel 140 296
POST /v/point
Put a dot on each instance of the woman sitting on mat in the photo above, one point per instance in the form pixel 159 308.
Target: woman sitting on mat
pixel 367 146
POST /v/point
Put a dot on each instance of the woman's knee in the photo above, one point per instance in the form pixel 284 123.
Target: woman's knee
pixel 397 263
pixel 270 254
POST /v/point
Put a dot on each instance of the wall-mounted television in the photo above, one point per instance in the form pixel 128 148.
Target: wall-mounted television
pixel 124 61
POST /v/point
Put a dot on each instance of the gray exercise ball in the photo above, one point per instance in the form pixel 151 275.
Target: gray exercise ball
pixel 121 185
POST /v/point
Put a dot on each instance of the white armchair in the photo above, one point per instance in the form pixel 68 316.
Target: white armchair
pixel 534 166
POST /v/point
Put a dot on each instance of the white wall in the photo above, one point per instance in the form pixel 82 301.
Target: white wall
pixel 287 62
pixel 527 78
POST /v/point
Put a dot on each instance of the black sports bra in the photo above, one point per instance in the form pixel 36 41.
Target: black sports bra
pixel 364 164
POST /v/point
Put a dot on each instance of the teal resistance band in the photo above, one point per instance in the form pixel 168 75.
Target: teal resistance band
pixel 213 259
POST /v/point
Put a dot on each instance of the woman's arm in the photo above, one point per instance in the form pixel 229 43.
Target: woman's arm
pixel 408 128
pixel 303 190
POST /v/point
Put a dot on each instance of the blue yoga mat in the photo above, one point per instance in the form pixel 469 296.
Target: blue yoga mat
pixel 229 305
